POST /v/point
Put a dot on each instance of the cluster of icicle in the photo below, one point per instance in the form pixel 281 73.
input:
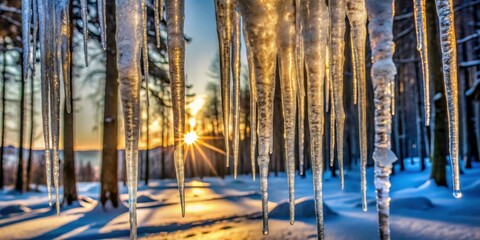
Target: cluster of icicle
pixel 292 35
pixel 297 36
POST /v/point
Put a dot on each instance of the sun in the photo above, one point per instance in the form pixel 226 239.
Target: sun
pixel 190 137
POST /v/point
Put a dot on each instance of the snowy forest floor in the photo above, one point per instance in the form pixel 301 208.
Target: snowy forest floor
pixel 230 209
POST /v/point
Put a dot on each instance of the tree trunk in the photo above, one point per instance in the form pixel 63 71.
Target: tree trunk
pixel 440 137
pixel 4 82
pixel 109 169
pixel 19 182
pixel 69 178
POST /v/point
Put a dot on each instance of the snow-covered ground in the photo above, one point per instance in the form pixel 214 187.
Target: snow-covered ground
pixel 230 209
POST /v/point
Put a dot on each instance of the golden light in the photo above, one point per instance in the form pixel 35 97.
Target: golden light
pixel 190 137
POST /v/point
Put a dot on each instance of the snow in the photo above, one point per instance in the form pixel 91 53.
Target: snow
pixel 231 209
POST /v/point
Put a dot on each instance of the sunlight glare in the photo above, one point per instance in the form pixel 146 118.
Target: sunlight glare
pixel 190 137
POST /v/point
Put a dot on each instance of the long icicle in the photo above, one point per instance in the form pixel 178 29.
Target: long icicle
pixel 420 11
pixel 357 16
pixel 288 80
pixel 55 67
pixel 129 40
pixel 260 20
pixel 225 11
pixel 337 60
pixel 44 38
pixel 175 10
pixel 449 58
pixel 145 49
pixel 236 47
pixel 253 102
pixel 102 21
pixel 84 10
pixel 300 65
pixel 380 15
pixel 315 36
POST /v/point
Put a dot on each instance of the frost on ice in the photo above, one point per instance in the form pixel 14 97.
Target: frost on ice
pixel 129 47
pixel 260 20
pixel 315 40
pixel 380 15
pixel 449 58
pixel 175 10
pixel 357 16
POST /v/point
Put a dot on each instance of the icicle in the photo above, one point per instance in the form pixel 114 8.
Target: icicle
pixel 392 89
pixel 175 10
pixel 357 16
pixel 34 35
pixel 145 48
pixel 380 14
pixel 45 36
pixel 63 49
pixel 449 57
pixel 84 9
pixel 129 42
pixel 102 21
pixel 288 80
pixel 327 74
pixel 260 20
pixel 253 102
pixel 315 37
pixel 337 45
pixel 224 12
pixel 26 19
pixel 421 31
pixel 300 65
pixel 236 46
pixel 329 93
pixel 54 81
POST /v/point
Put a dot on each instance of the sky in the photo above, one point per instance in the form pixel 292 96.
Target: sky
pixel 200 26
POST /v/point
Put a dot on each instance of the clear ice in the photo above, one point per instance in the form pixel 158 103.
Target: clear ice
pixel 129 49
pixel 175 10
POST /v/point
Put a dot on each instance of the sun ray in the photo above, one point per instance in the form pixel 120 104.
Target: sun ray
pixel 211 147
pixel 205 158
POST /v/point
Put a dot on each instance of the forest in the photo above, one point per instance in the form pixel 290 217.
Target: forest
pixel 342 105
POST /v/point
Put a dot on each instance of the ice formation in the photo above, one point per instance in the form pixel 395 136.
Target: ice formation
pixel 315 39
pixel 293 32
pixel 300 65
pixel 253 104
pixel 102 21
pixel 337 59
pixel 236 47
pixel 175 10
pixel 357 16
pixel 129 44
pixel 380 15
pixel 420 11
pixel 449 57
pixel 260 20
pixel 84 10
pixel 225 13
